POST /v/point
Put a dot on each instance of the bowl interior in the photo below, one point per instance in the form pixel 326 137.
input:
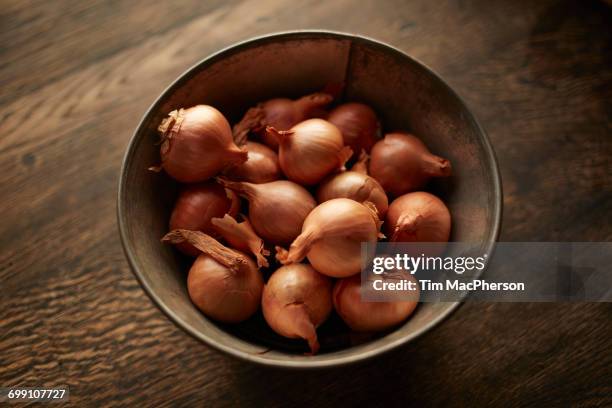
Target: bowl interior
pixel 405 94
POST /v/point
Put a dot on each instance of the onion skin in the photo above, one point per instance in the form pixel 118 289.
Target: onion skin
pixel 261 167
pixel 277 209
pixel 282 114
pixel 418 217
pixel 401 163
pixel 241 236
pixel 197 144
pixel 359 125
pixel 223 283
pixel 356 186
pixel 332 235
pixel 195 207
pixel 295 301
pixel 368 316
pixel 311 150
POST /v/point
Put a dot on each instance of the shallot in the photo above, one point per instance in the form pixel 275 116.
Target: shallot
pixel 197 144
pixel 402 163
pixel 332 235
pixel 195 207
pixel 356 186
pixel 310 150
pixel 358 123
pixel 261 167
pixel 282 114
pixel 370 316
pixel 418 217
pixel 277 209
pixel 223 283
pixel 295 301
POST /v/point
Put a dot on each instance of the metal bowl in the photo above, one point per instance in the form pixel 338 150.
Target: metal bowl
pixel 406 95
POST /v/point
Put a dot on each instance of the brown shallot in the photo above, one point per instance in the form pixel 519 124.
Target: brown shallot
pixel 241 236
pixel 261 167
pixel 370 316
pixel 295 301
pixel 418 217
pixel 356 186
pixel 402 163
pixel 277 209
pixel 358 123
pixel 332 235
pixel 310 150
pixel 197 204
pixel 197 144
pixel 223 283
pixel 282 114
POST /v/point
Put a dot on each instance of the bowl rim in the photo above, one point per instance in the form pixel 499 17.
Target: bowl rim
pixel 238 47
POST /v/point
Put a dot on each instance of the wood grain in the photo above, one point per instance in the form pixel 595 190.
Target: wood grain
pixel 77 76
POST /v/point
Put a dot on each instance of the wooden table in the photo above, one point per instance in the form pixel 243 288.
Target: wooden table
pixel 78 75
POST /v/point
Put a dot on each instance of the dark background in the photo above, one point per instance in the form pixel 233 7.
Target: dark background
pixel 77 75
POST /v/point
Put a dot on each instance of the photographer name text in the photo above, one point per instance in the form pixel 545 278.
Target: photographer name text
pixel 447 285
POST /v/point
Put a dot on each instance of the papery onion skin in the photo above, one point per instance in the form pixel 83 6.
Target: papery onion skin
pixel 223 283
pixel 261 167
pixel 418 217
pixel 282 114
pixel 356 186
pixel 277 209
pixel 332 235
pixel 311 150
pixel 241 236
pixel 295 301
pixel 359 125
pixel 369 316
pixel 402 163
pixel 195 207
pixel 197 144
